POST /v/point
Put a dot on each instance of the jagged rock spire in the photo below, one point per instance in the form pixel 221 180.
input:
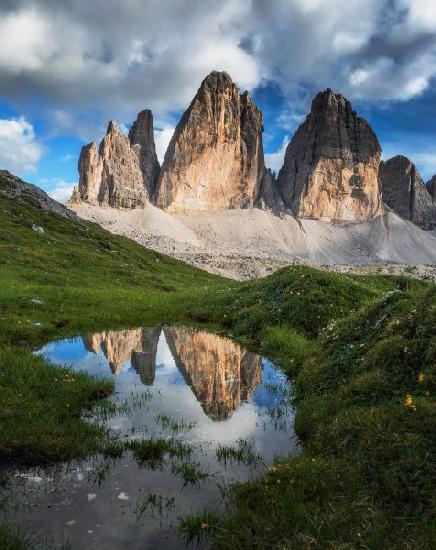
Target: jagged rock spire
pixel 122 173
pixel 141 138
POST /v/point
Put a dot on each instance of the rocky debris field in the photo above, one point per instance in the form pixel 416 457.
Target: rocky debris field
pixel 244 244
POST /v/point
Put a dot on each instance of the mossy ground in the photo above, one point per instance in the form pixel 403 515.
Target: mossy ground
pixel 366 416
pixel 363 366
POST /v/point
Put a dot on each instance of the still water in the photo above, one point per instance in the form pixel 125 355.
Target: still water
pixel 182 385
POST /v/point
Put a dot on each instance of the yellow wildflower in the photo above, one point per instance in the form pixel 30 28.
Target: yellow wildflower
pixel 421 377
pixel 409 401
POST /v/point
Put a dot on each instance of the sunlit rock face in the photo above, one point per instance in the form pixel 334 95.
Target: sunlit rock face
pixel 406 193
pixel 122 183
pixel 138 346
pixel 124 170
pixel 220 373
pixel 331 164
pixel 215 158
pixel 90 171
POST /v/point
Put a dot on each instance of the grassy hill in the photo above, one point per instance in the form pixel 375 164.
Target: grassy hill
pixel 361 352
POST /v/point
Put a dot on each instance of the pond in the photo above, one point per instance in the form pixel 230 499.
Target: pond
pixel 198 412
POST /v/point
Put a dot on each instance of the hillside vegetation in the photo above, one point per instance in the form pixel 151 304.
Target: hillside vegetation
pixel 361 352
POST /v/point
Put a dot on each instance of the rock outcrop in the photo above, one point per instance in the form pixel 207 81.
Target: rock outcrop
pixel 331 164
pixel 219 372
pixel 90 171
pixel 405 192
pixel 141 138
pixel 122 173
pixel 215 158
pixel 431 188
pixel 15 188
pixel 122 183
pixel 268 197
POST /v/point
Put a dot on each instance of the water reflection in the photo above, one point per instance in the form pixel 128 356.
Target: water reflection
pixel 137 346
pixel 220 373
pixel 189 389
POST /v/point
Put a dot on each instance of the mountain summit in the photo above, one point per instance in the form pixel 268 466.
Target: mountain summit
pixel 331 164
pixel 124 170
pixel 215 158
pixel 215 162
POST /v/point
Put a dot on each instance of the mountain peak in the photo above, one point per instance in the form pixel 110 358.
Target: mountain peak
pixel 331 164
pixel 217 80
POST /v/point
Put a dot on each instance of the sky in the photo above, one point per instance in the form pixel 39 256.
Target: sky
pixel 68 67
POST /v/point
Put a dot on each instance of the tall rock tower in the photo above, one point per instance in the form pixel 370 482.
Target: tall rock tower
pixel 331 164
pixel 141 138
pixel 215 158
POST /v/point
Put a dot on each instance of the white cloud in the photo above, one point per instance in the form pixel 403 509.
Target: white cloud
pixel 154 54
pixel 275 160
pixel 368 49
pixel 57 188
pixel 122 60
pixel 162 136
pixel 25 41
pixel 20 151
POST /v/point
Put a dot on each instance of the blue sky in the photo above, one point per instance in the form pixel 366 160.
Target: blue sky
pixel 67 68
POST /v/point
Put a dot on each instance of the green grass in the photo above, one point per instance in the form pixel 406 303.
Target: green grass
pixel 13 539
pixel 366 475
pixel 72 279
pixel 150 453
pixel 190 472
pixel 242 454
pixel 363 368
pixel 41 409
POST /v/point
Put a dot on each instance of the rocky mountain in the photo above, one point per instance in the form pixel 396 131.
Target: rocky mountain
pixel 14 188
pixel 215 162
pixel 124 170
pixel 331 164
pixel 406 193
pixel 215 158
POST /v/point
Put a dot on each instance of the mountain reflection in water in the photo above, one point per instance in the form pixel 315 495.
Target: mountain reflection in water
pixel 221 374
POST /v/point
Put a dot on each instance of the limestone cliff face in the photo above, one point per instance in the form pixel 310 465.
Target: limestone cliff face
pixel 215 158
pixel 405 192
pixel 331 164
pixel 269 197
pixel 220 373
pixel 122 184
pixel 124 170
pixel 137 346
pixel 431 188
pixel 90 170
